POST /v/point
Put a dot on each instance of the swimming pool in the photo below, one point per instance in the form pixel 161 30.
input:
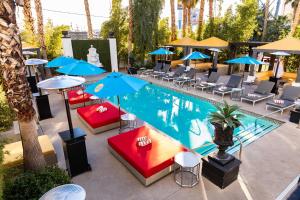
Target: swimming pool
pixel 185 118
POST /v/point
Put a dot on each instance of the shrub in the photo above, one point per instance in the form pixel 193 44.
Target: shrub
pixel 6 114
pixel 32 185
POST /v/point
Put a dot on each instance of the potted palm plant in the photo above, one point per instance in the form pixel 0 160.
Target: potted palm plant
pixel 225 120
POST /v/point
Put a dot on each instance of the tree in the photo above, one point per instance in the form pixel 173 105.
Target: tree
pixel 173 20
pixel 189 4
pixel 266 16
pixel 130 28
pixel 163 34
pixel 145 25
pixel 88 19
pixel 294 4
pixel 200 20
pixel 211 9
pixel 28 19
pixel 184 18
pixel 118 25
pixel 16 87
pixel 296 19
pixel 40 27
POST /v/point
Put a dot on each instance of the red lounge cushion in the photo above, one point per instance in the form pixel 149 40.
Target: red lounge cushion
pixel 97 119
pixel 150 159
pixel 74 98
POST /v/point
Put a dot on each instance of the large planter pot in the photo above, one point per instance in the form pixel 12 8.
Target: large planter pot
pixel 223 138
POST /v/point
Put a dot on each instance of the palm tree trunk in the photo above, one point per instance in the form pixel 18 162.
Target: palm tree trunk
pixel 173 20
pixel 40 27
pixel 88 19
pixel 200 19
pixel 184 17
pixel 130 21
pixel 266 16
pixel 189 23
pixel 295 21
pixel 16 87
pixel 28 19
pixel 211 7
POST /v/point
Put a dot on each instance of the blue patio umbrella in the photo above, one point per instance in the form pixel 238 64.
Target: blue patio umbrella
pixel 196 55
pixel 161 51
pixel 60 61
pixel 116 84
pixel 80 68
pixel 245 60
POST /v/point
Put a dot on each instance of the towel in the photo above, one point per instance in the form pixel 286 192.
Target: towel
pixel 222 88
pixel 79 92
pixel 253 95
pixel 140 139
pixel 278 101
pixel 144 142
pixel 101 109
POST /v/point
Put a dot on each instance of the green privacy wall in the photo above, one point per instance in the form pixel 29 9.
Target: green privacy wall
pixel 80 50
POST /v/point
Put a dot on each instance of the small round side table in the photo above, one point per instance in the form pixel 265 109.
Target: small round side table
pixel 65 192
pixel 236 94
pixel 186 169
pixel 130 118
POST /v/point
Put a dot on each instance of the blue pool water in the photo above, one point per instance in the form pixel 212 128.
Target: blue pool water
pixel 185 118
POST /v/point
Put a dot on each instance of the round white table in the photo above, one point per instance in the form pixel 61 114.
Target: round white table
pixel 236 94
pixel 187 174
pixel 130 118
pixel 65 192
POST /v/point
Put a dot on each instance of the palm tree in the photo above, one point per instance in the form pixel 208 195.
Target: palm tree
pixel 266 16
pixel 173 20
pixel 130 29
pixel 40 27
pixel 16 87
pixel 184 17
pixel 88 19
pixel 28 19
pixel 296 20
pixel 294 4
pixel 190 4
pixel 211 9
pixel 200 19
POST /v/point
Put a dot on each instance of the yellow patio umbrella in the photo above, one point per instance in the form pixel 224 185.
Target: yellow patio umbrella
pixel 212 42
pixel 184 42
pixel 290 45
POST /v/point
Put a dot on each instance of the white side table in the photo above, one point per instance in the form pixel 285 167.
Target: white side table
pixel 130 118
pixel 65 192
pixel 236 94
pixel 187 174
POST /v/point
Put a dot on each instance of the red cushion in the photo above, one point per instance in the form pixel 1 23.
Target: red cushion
pixel 150 159
pixel 97 119
pixel 74 98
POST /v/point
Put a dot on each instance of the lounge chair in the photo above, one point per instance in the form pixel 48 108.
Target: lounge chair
pixel 98 121
pixel 165 69
pixel 210 82
pixel 185 79
pixel 234 82
pixel 149 163
pixel 287 100
pixel 78 98
pixel 262 92
pixel 249 80
pixel 173 75
pixel 156 68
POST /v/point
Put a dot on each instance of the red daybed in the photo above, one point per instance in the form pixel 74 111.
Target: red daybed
pixel 148 163
pixel 99 122
pixel 77 100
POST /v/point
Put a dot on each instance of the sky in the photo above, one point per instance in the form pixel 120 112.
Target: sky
pixel 99 9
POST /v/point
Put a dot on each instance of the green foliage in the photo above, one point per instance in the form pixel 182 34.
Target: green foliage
pixel 32 185
pixel 234 27
pixel 118 25
pixel 163 34
pixel 292 63
pixel 6 114
pixel 226 116
pixel 53 35
pixel 80 50
pixel 53 39
pixel 277 28
pixel 145 25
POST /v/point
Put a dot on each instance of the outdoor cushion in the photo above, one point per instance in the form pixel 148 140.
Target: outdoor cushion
pixel 264 87
pixel 254 96
pixel 234 81
pixel 150 159
pixel 97 119
pixel 286 103
pixel 213 78
pixel 75 98
pixel 290 93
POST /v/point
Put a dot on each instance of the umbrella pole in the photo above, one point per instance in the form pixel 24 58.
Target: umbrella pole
pixel 119 111
pixel 68 114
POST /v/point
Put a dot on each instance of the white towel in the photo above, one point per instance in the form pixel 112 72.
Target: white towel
pixel 79 92
pixel 101 109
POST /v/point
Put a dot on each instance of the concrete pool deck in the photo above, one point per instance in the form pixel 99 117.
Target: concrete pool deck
pixel 268 165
